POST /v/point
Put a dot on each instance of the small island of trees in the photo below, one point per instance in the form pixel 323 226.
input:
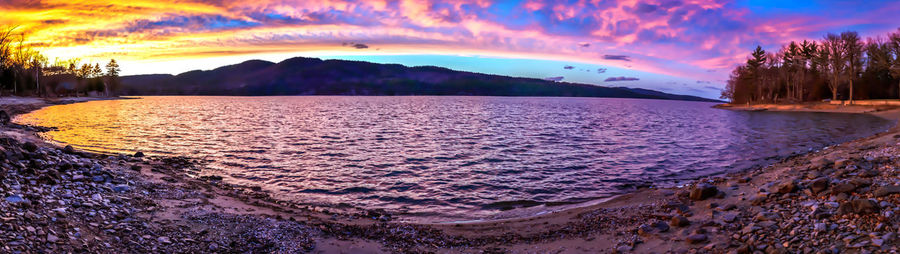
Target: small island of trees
pixel 24 71
pixel 838 67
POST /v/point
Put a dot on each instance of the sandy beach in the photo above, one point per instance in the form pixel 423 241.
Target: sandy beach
pixel 56 199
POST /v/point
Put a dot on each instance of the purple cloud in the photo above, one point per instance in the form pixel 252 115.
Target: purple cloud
pixel 614 79
pixel 617 57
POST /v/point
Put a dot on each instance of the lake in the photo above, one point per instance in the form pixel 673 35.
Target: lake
pixel 447 158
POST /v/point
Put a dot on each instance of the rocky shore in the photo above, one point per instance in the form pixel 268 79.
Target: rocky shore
pixel 843 198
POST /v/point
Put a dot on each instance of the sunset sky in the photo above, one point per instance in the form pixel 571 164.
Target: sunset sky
pixel 685 47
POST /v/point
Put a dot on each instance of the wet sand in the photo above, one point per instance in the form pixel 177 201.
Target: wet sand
pixel 837 198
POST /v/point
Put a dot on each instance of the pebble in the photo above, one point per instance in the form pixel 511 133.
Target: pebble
pixel 697 238
pixel 680 221
pixel 164 240
pixel 703 191
pixel 121 188
pixel 15 199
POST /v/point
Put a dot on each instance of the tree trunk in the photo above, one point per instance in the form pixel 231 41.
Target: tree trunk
pixel 851 91
pixel 834 86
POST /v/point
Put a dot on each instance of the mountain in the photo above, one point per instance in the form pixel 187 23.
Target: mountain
pixel 312 76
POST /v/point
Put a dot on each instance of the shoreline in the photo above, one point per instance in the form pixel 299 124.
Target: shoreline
pixel 647 220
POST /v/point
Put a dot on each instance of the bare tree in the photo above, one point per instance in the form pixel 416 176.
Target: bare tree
pixel 833 53
pixel 853 50
pixel 894 46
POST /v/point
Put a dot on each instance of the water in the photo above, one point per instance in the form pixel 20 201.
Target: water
pixel 447 158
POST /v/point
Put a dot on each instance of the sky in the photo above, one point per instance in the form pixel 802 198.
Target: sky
pixel 676 46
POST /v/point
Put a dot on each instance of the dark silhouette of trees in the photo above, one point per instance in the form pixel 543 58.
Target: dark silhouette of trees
pixel 25 71
pixel 839 66
pixel 112 76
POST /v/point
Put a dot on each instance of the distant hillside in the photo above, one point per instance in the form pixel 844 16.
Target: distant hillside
pixel 312 76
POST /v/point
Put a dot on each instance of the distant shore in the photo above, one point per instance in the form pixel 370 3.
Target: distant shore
pixel 845 197
pixel 808 107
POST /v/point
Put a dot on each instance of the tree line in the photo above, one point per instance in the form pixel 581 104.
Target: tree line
pixel 25 71
pixel 839 66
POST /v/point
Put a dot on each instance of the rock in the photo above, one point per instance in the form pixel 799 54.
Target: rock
pixel 703 191
pixel 98 179
pixel 15 199
pixel 121 188
pixel 759 199
pixel 4 117
pixel 729 217
pixel 136 167
pixel 661 226
pixel 859 206
pixel 786 186
pixel 820 227
pixel 819 185
pixel 697 238
pixel 841 163
pixel 889 238
pixel 841 197
pixel 138 154
pixel 52 238
pixel 163 239
pixel 63 167
pixel 887 190
pixel 69 149
pixel 97 197
pixel 679 221
pixel 820 162
pixel 30 147
pixel 843 188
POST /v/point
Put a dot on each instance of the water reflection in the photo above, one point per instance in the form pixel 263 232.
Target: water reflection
pixel 448 157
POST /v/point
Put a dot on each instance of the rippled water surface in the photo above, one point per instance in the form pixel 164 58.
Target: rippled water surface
pixel 447 157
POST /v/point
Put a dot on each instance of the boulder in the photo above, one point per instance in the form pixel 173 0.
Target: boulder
pixel 703 191
pixel 30 147
pixel 69 149
pixel 786 186
pixel 819 185
pixel 15 199
pixel 887 190
pixel 4 117
pixel 138 154
pixel 697 238
pixel 121 188
pixel 859 206
pixel 843 188
pixel 680 221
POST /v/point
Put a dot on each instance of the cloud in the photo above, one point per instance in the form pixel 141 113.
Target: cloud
pixel 614 79
pixel 693 40
pixel 554 79
pixel 702 82
pixel 601 70
pixel 617 57
pixel 568 67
